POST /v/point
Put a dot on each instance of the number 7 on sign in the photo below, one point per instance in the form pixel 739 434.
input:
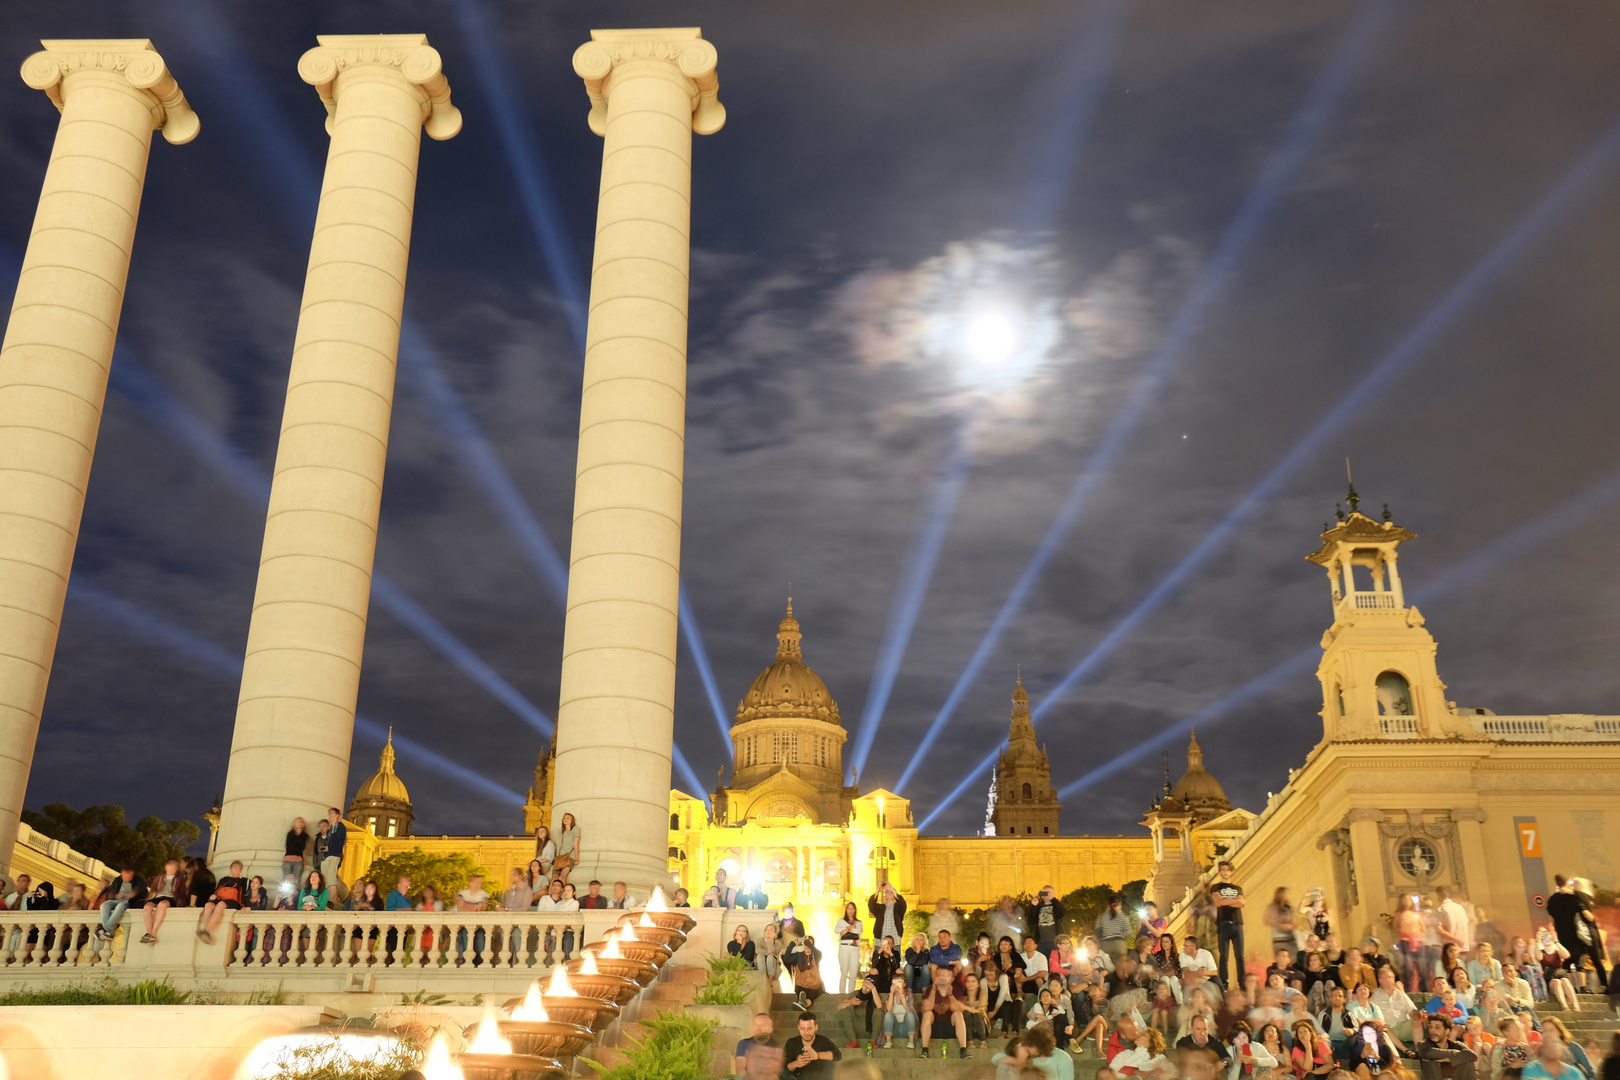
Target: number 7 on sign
pixel 1529 841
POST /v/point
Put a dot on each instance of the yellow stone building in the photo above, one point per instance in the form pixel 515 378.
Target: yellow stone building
pixel 1406 792
pixel 787 820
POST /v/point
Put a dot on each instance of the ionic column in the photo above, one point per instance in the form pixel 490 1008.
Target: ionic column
pixel 649 90
pixel 57 350
pixel 295 715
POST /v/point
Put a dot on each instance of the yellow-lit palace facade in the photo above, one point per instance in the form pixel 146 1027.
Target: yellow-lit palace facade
pixel 1405 792
pixel 787 820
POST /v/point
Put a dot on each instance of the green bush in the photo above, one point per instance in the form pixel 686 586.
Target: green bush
pixel 724 988
pixel 727 962
pixel 678 1049
pixel 108 992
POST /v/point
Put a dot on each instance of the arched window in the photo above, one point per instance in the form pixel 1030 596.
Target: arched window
pixel 1338 696
pixel 674 821
pixel 1029 792
pixel 1394 695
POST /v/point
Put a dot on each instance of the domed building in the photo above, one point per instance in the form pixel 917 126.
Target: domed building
pixel 1198 791
pixel 788 744
pixel 382 806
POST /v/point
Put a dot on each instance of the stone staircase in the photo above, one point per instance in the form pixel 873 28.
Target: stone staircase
pixel 675 989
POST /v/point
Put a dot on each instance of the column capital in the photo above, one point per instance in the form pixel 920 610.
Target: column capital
pixel 132 60
pixel 690 57
pixel 417 61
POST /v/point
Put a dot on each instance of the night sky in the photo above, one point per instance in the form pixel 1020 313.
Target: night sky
pixel 890 177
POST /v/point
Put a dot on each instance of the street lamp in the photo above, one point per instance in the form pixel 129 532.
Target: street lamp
pixel 880 859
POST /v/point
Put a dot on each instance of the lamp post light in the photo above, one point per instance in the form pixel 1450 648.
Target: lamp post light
pixel 881 861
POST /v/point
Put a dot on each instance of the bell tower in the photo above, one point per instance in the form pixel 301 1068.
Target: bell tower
pixel 1023 800
pixel 1378 674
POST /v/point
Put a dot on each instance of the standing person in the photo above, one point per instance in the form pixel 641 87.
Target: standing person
pixel 753 896
pixel 888 911
pixel 1229 903
pixel 1006 921
pixel 1408 927
pixel 517 897
pixel 337 835
pixel 719 895
pixel 1045 920
pixel 166 890
pixel 123 892
pixel 1455 928
pixel 1577 930
pixel 787 925
pixel 545 851
pixel 848 929
pixel 567 848
pixel 943 918
pixel 809 1054
pixel 297 857
pixel 1280 918
pixel 1113 928
pixel 227 894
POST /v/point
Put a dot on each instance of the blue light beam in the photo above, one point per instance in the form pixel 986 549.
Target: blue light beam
pixel 152 629
pixel 527 158
pixel 1586 172
pixel 1296 143
pixel 1529 535
pixel 916 572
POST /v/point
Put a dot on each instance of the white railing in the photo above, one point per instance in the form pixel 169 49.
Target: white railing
pixel 1398 725
pixel 530 941
pixel 354 939
pixel 1374 601
pixel 1567 727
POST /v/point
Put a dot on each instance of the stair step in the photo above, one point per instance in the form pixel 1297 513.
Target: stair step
pixel 695 975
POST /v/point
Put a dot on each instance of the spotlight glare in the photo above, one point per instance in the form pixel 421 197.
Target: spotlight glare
pixel 990 339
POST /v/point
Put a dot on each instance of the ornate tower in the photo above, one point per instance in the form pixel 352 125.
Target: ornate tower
pixel 382 806
pixel 1378 674
pixel 1196 798
pixel 537 809
pixel 788 741
pixel 1197 790
pixel 1024 801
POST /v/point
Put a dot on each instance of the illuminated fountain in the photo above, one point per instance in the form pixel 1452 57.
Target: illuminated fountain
pixel 563 1003
pixel 490 1057
pixel 531 1030
pixel 659 912
pixel 615 948
pixel 670 937
pixel 590 981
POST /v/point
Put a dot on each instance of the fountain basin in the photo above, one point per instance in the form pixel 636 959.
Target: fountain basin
pixel 674 920
pixel 508 1067
pixel 648 952
pixel 637 972
pixel 542 1038
pixel 669 937
pixel 614 988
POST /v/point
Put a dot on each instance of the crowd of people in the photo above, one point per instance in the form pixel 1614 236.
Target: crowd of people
pixel 1447 1003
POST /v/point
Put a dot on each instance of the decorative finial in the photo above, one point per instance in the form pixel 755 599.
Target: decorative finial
pixel 1167 787
pixel 1338 511
pixel 1387 515
pixel 387 760
pixel 1326 527
pixel 1352 498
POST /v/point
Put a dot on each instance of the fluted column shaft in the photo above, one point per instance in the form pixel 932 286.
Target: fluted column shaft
pixel 58 350
pixel 301 673
pixel 615 719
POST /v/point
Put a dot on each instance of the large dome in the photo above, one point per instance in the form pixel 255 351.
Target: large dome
pixel 788 688
pixel 1197 789
pixel 384 783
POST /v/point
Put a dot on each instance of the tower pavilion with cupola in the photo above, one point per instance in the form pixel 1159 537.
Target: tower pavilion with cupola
pixel 381 805
pixel 1023 801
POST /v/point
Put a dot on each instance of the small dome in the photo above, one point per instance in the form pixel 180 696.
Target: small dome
pixel 1197 789
pixel 384 784
pixel 789 687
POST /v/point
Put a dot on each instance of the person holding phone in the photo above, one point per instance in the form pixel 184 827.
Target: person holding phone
pixel 1370 1052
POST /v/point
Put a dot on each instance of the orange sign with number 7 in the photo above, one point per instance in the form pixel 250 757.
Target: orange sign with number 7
pixel 1530 840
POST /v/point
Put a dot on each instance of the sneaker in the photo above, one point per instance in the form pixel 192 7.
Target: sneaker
pixel 102 935
pixel 852 1045
pixel 797 1004
pixel 208 937
pixel 923 1052
pixel 911 1043
pixel 961 1052
pixel 148 939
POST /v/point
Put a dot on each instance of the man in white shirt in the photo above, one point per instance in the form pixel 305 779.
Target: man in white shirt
pixel 621 896
pixel 1455 925
pixel 1035 967
pixel 472 898
pixel 1197 965
pixel 554 901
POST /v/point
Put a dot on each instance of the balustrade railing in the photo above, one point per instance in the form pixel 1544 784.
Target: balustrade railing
pixel 56 939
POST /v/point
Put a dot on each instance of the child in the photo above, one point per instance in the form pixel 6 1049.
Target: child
pixel 1165 1013
pixel 1482 1043
pixel 1512 1052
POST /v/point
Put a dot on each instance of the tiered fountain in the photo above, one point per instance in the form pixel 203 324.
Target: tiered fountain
pixel 548 1030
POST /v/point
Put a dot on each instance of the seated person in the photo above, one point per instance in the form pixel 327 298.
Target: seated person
pixel 866 995
pixel 1199 1037
pixel 941 1012
pixel 809 1055
pixel 946 955
pixel 1045 1056
pixel 1514 1049
pixel 1335 1022
pixel 759 1035
pixel 1312 1054
pixel 1441 1056
pixel 1445 1004
pixel 1370 1052
pixel 1046 1011
pixel 121 893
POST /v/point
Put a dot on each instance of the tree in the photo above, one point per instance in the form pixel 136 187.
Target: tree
pixel 101 833
pixel 447 874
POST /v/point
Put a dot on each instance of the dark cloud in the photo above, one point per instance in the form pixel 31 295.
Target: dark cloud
pixel 864 144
